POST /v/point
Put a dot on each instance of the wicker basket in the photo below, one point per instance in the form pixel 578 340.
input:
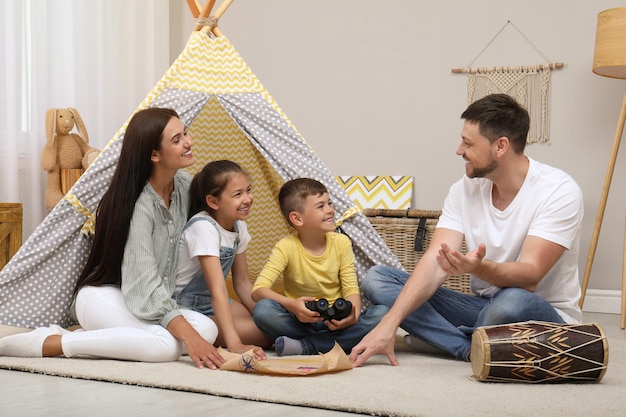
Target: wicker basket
pixel 399 230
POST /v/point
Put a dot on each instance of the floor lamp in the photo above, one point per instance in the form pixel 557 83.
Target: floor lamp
pixel 610 61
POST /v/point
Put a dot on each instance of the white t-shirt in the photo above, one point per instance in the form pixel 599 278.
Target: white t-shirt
pixel 202 239
pixel 549 205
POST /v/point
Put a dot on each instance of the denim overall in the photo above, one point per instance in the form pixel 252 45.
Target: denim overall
pixel 196 296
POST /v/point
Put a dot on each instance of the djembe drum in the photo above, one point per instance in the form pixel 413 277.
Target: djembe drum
pixel 539 352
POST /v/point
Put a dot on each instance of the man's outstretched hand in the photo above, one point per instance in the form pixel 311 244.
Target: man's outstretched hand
pixel 454 262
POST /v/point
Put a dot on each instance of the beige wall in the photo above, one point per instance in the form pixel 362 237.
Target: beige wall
pixel 369 86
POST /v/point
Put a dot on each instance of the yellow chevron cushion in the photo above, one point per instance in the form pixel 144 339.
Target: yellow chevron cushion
pixel 376 191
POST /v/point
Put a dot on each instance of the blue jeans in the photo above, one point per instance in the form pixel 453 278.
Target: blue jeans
pixel 275 321
pixel 448 318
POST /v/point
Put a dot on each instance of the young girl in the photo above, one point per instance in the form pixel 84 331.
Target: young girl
pixel 214 242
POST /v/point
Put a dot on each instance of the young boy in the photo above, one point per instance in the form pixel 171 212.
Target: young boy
pixel 315 263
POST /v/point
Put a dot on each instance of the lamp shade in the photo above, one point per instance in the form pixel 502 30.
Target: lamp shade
pixel 609 58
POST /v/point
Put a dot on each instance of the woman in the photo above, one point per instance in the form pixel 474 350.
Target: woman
pixel 123 296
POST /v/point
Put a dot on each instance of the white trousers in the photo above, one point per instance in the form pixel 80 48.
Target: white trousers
pixel 111 331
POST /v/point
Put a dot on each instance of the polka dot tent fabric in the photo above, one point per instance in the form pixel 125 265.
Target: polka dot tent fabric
pixel 230 115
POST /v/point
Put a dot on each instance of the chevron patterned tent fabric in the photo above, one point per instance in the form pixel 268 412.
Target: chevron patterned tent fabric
pixel 377 191
pixel 230 115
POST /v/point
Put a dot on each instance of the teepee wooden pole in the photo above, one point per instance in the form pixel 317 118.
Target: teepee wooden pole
pixel 206 11
pixel 218 14
pixel 194 8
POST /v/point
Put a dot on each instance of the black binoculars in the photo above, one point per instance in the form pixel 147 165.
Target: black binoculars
pixel 339 310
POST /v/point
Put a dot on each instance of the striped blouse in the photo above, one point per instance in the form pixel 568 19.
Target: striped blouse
pixel 151 253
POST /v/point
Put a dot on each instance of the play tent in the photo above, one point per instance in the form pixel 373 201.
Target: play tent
pixel 230 115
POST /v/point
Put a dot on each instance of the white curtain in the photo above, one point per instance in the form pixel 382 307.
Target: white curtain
pixel 100 56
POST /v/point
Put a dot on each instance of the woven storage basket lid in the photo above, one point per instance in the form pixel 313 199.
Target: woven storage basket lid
pixel 398 229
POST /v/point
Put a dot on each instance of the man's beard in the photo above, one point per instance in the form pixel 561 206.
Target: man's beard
pixel 484 171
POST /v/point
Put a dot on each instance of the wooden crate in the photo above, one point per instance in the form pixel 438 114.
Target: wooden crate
pixel 10 231
pixel 399 229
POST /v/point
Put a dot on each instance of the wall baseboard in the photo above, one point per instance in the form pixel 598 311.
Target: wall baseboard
pixel 603 301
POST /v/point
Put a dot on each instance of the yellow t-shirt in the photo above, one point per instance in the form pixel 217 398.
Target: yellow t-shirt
pixel 330 275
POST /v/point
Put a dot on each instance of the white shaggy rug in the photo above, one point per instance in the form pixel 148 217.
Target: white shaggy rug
pixel 424 385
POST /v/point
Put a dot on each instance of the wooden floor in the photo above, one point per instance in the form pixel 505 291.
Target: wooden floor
pixel 23 394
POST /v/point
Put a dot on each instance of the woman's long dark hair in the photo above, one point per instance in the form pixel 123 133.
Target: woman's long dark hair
pixel 115 211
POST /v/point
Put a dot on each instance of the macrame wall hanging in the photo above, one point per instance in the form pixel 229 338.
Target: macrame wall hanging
pixel 529 85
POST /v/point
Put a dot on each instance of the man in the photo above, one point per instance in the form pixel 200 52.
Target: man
pixel 521 220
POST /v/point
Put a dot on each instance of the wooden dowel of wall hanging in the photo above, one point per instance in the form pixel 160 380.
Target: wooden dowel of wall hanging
pixel 556 65
pixel 206 11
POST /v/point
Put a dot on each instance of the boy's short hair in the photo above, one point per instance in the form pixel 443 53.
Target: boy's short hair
pixel 294 193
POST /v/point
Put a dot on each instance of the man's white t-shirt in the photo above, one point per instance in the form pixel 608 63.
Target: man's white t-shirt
pixel 549 205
